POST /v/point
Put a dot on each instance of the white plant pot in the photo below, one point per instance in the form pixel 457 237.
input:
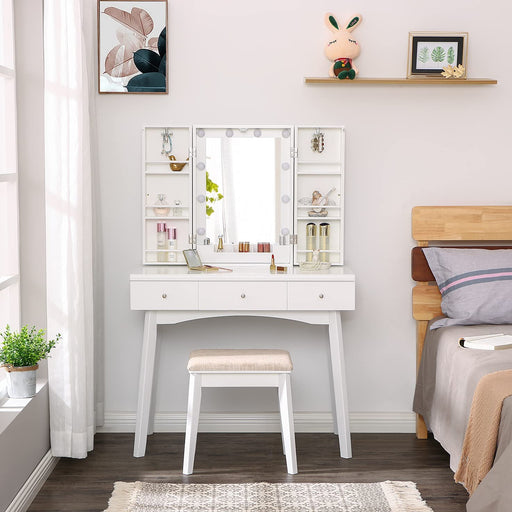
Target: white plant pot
pixel 21 381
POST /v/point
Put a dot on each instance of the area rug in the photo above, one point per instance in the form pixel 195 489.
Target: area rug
pixel 265 497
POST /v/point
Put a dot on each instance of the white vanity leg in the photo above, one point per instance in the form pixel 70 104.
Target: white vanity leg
pixel 151 420
pixel 288 428
pixel 339 383
pixel 147 367
pixel 194 406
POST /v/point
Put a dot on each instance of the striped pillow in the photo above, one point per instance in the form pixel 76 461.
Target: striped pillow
pixel 475 285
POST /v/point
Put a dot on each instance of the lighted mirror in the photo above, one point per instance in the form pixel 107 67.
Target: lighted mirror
pixel 243 178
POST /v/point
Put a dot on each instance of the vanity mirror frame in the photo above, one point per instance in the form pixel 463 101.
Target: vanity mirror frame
pixel 302 170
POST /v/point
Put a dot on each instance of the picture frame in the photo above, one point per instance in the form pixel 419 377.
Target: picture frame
pixel 132 47
pixel 430 52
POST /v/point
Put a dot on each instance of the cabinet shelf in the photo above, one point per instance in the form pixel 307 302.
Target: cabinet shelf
pixel 166 218
pixel 163 250
pixel 168 173
pixel 310 206
pixel 168 162
pixel 323 219
pixel 319 162
pixel 318 173
pixel 319 250
pixel 402 81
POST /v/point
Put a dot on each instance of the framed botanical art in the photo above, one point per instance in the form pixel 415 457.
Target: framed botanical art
pixel 430 52
pixel 132 46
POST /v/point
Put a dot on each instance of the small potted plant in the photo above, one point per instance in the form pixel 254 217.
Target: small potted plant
pixel 20 354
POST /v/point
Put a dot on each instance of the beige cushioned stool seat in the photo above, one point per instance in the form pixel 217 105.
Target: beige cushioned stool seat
pixel 239 360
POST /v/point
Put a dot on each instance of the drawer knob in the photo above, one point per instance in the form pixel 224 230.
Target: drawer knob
pixel 164 295
pixel 321 295
pixel 242 295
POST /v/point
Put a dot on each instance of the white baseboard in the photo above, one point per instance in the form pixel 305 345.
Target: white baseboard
pixel 33 484
pixel 367 422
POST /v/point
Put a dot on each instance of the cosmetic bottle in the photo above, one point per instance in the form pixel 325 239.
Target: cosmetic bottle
pixel 173 244
pixel 310 240
pixel 220 244
pixel 177 210
pixel 161 206
pixel 272 265
pixel 161 242
pixel 325 229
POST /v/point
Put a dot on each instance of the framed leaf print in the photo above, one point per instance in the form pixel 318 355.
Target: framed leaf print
pixel 430 52
pixel 132 46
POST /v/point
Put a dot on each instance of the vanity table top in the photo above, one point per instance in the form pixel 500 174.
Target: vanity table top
pixel 241 273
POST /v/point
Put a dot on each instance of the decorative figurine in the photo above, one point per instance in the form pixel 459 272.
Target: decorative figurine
pixel 343 49
pixel 320 201
pixel 176 166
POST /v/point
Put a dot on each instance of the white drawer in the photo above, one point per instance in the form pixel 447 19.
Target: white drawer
pixel 242 295
pixel 321 295
pixel 161 295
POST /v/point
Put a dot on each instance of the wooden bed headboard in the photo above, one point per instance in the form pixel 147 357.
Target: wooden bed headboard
pixel 444 225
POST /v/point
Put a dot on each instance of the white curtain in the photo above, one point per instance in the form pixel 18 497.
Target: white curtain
pixel 69 224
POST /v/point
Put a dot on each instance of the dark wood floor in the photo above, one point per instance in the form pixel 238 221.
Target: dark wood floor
pixel 85 485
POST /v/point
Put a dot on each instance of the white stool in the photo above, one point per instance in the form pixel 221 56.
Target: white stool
pixel 240 368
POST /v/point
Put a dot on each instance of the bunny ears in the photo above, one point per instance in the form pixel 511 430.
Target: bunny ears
pixel 334 26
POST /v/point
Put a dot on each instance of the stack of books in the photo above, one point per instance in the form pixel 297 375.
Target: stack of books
pixel 487 342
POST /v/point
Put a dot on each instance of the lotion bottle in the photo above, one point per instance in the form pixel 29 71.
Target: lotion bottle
pixel 161 242
pixel 310 240
pixel 173 244
pixel 325 229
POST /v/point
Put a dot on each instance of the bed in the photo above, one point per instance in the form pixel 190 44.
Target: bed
pixel 448 374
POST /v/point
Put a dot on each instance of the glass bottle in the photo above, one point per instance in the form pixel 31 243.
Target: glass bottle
pixel 161 206
pixel 177 210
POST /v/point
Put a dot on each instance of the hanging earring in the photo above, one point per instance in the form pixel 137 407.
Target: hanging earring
pixel 317 141
pixel 166 139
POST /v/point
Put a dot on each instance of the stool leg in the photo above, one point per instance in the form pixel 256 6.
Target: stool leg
pixel 285 406
pixel 194 405
pixel 283 427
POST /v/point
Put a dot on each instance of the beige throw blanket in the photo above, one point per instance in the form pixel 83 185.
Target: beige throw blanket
pixel 479 444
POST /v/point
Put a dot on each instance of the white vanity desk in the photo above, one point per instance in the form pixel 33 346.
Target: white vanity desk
pixel 170 295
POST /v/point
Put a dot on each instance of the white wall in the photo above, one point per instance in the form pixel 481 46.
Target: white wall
pixel 244 62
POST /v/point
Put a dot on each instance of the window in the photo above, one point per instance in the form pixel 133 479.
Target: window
pixel 9 246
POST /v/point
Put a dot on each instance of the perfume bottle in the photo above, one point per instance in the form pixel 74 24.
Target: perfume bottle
pixel 220 244
pixel 161 242
pixel 173 244
pixel 310 240
pixel 325 229
pixel 161 206
pixel 177 210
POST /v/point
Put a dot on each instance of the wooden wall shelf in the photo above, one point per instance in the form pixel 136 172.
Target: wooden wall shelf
pixel 402 81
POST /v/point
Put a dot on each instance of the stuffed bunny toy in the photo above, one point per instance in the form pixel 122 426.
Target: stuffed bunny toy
pixel 343 48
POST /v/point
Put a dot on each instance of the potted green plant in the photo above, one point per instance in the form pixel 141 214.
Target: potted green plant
pixel 20 354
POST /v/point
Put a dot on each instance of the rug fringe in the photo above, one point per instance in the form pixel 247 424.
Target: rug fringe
pixel 404 497
pixel 121 496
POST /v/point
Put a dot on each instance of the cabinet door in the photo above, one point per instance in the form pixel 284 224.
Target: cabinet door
pixel 167 194
pixel 319 194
